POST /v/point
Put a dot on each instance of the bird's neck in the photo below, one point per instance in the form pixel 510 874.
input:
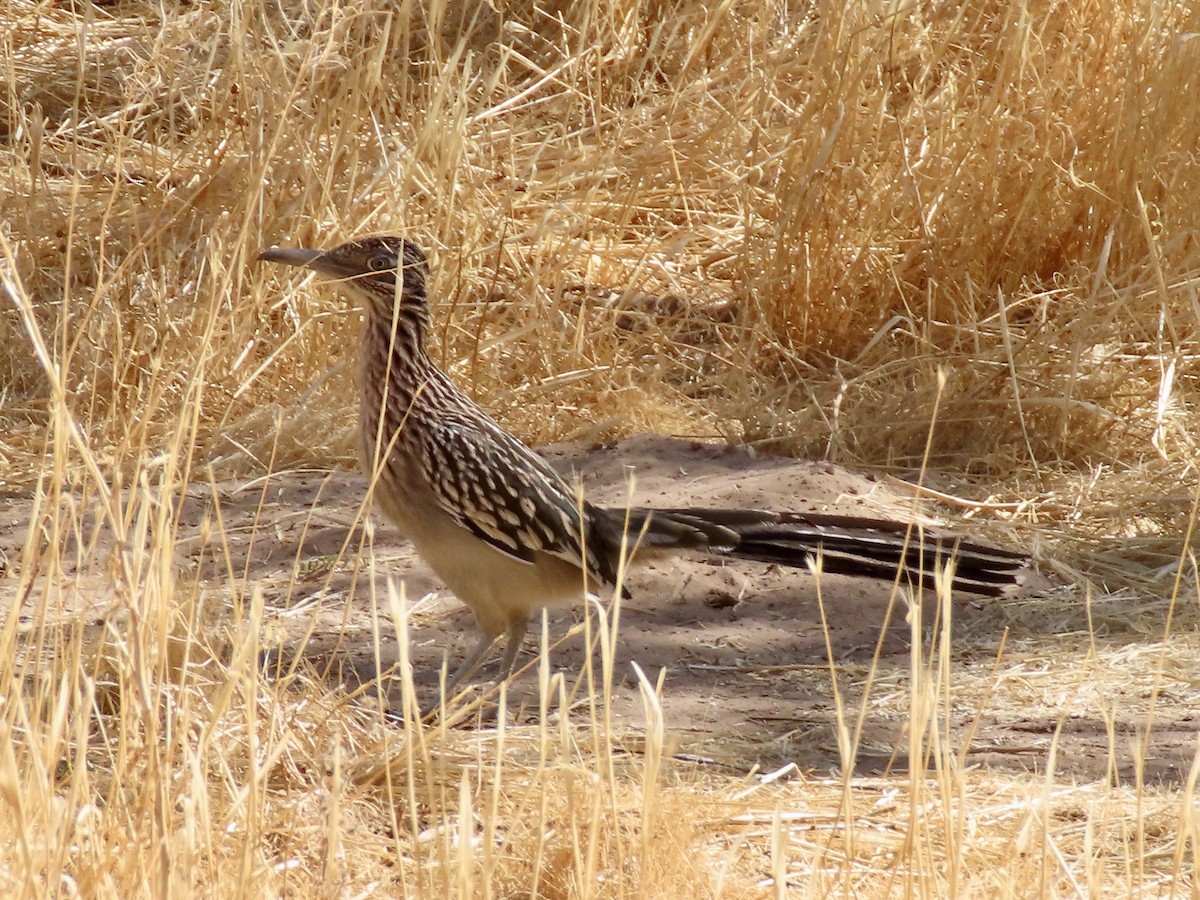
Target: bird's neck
pixel 399 382
pixel 394 351
pixel 403 329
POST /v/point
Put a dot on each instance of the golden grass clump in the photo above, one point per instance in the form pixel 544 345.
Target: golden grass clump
pixel 954 235
pixel 892 192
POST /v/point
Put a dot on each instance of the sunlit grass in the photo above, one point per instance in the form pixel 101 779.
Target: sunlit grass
pixel 776 225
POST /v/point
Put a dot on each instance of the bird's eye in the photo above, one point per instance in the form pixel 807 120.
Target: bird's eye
pixel 380 261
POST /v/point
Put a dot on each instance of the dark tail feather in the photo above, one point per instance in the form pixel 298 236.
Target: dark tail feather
pixel 849 545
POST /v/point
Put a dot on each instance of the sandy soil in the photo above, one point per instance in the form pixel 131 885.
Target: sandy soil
pixel 747 670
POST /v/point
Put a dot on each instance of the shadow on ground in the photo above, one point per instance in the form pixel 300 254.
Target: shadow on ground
pixel 747 660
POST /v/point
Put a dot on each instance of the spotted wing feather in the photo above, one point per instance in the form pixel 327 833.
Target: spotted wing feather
pixel 505 494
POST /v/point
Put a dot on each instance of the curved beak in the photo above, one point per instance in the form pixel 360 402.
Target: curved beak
pixel 317 260
pixel 291 256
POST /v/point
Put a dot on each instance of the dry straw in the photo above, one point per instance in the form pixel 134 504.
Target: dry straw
pixel 778 224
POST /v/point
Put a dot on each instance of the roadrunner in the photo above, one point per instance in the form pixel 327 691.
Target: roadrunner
pixel 506 532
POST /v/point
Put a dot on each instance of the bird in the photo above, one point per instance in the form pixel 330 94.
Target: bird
pixel 507 533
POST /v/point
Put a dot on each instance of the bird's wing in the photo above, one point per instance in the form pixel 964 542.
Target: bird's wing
pixel 505 494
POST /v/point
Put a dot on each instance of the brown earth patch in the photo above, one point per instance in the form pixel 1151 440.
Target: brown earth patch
pixel 747 657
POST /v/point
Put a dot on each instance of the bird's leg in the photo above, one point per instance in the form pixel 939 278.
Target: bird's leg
pixel 512 646
pixel 463 672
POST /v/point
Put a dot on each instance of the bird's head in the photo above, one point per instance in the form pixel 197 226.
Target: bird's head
pixel 369 269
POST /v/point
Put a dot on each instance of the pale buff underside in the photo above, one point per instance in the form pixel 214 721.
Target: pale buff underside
pixel 500 591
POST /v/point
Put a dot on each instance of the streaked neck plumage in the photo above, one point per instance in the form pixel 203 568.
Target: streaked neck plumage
pixel 397 373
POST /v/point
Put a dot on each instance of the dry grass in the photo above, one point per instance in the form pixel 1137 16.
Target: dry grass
pixel 772 223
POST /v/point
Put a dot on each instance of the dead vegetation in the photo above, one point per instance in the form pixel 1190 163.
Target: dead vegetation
pixel 779 224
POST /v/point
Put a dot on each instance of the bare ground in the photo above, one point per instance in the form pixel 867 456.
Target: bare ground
pixel 748 675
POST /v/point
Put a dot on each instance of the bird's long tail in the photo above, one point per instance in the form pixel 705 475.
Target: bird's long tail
pixel 848 545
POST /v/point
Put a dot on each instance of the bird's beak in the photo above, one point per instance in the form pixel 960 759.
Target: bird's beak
pixel 317 260
pixel 291 256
